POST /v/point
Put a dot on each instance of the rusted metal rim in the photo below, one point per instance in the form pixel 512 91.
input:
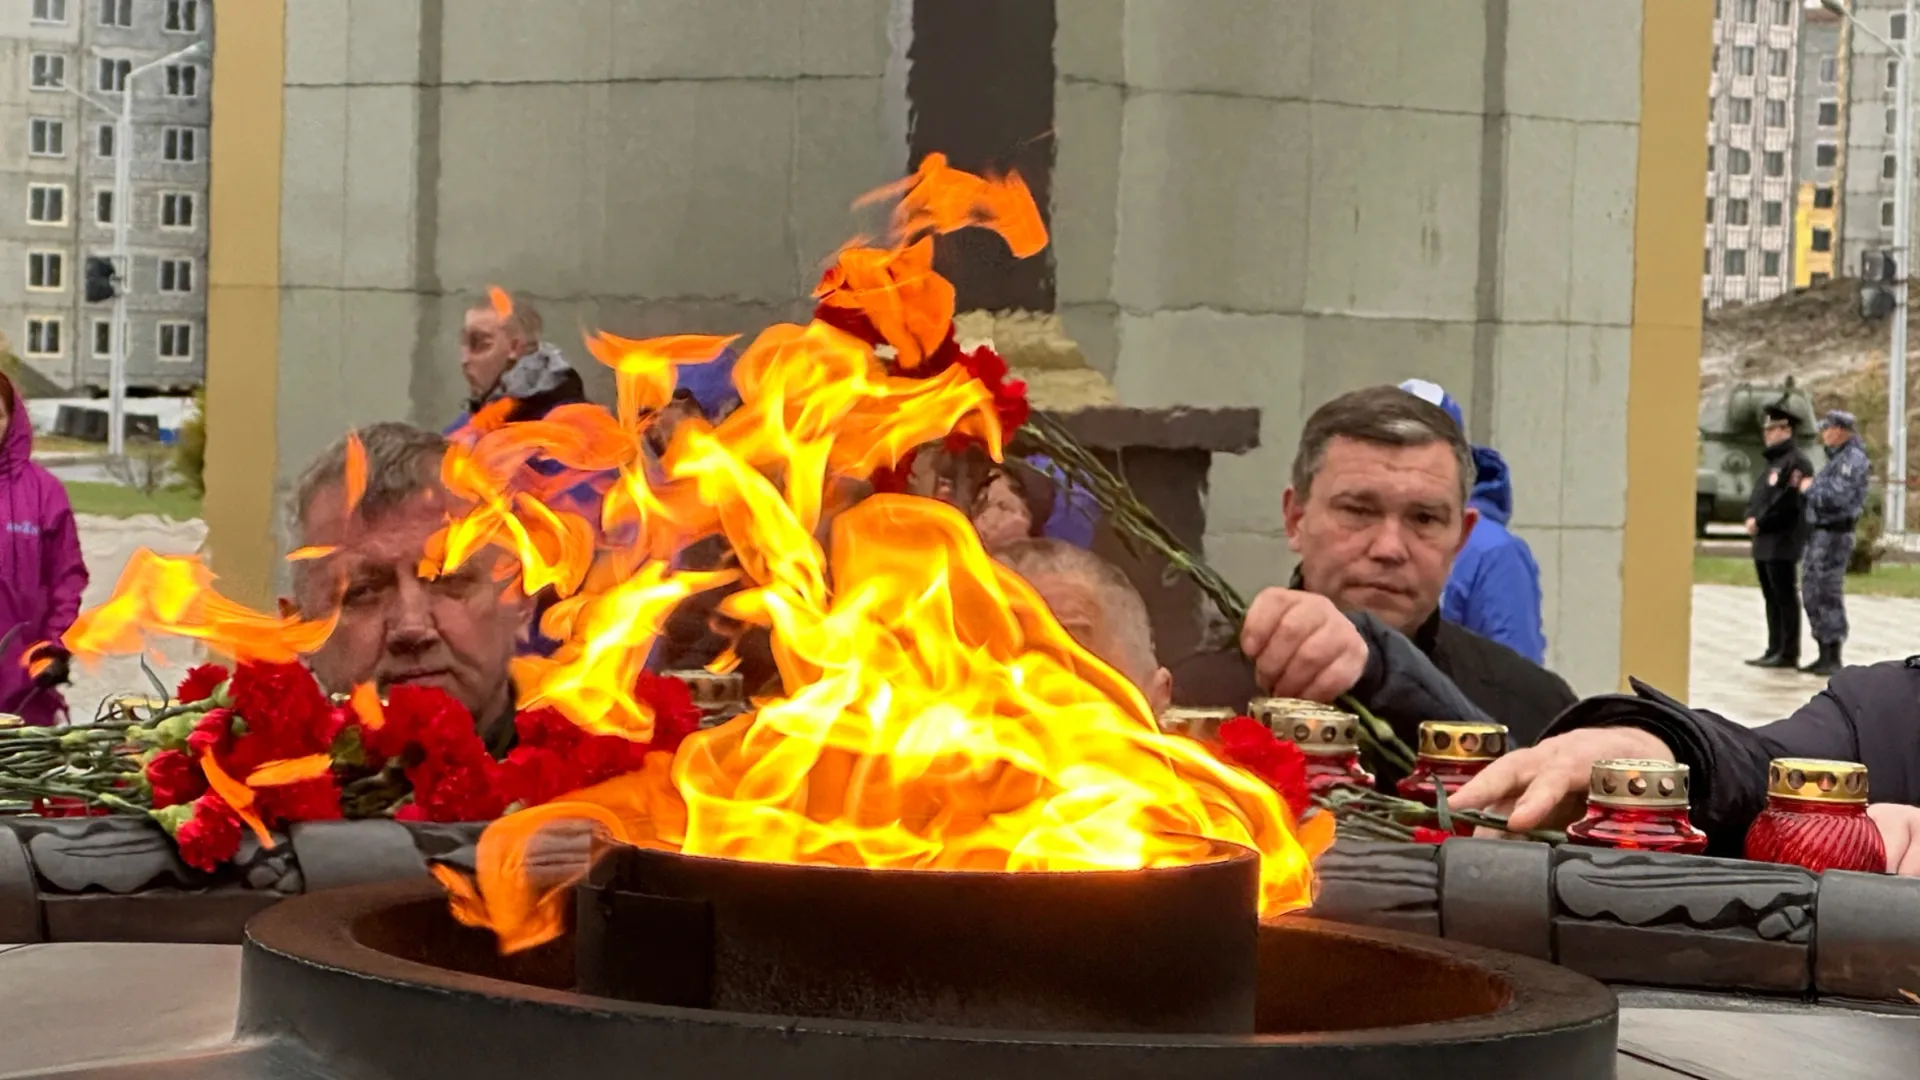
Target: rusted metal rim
pixel 311 980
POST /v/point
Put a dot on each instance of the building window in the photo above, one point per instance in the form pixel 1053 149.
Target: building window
pixel 1897 25
pixel 1829 114
pixel 1742 110
pixel 113 75
pixel 1889 166
pixel 1749 11
pixel 1829 70
pixel 47 204
pixel 1776 162
pixel 1782 11
pixel 116 12
pixel 1776 113
pixel 1739 162
pixel 1770 263
pixel 49 71
pixel 46 138
pixel 1778 62
pixel 1710 157
pixel 183 80
pixel 1706 264
pixel 1709 209
pixel 103 141
pixel 43 336
pixel 1822 240
pixel 1893 73
pixel 1771 212
pixel 46 271
pixel 1716 59
pixel 50 11
pixel 176 275
pixel 102 337
pixel 103 206
pixel 183 16
pixel 180 144
pixel 1823 197
pixel 1825 154
pixel 1743 60
pixel 1893 121
pixel 176 341
pixel 1736 261
pixel 176 210
pixel 1886 213
pixel 1736 211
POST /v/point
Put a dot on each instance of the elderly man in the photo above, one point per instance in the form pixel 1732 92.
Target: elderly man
pixel 1377 511
pixel 502 357
pixel 1096 604
pixel 457 631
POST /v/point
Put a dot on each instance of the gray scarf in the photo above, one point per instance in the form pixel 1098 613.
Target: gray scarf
pixel 535 373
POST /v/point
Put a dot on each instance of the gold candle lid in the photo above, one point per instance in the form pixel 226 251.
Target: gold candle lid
pixel 1317 729
pixel 713 689
pixel 1817 781
pixel 1194 722
pixel 1462 740
pixel 1638 782
pixel 8 720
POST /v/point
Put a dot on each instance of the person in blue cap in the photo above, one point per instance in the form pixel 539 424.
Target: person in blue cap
pixel 1835 500
pixel 1494 587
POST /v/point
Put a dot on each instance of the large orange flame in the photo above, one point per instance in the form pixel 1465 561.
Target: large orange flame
pixel 174 594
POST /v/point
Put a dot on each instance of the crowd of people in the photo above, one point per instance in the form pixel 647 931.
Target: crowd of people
pixel 1410 593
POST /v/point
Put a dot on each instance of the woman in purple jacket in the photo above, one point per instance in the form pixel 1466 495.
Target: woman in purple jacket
pixel 41 572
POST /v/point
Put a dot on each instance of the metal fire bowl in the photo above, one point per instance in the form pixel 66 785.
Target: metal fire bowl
pixel 378 981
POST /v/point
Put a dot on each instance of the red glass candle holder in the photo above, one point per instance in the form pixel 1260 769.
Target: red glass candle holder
pixel 1639 806
pixel 1451 753
pixel 1328 737
pixel 1816 817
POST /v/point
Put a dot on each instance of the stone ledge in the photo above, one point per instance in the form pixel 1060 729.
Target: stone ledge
pixel 1218 430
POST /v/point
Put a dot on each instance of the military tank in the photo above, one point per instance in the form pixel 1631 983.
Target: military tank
pixel 1731 446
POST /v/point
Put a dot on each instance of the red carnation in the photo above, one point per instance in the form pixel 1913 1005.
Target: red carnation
pixel 1424 835
pixel 466 789
pixel 174 779
pixel 212 732
pixel 211 835
pixel 201 683
pixel 286 715
pixel 1250 744
pixel 675 716
pixel 421 718
pixel 317 799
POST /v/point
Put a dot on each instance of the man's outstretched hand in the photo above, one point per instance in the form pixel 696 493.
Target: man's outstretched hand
pixel 1545 786
pixel 1900 831
pixel 1302 646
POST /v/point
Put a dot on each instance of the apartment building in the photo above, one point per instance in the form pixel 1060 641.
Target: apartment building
pixel 1750 138
pixel 1820 144
pixel 59 61
pixel 1868 184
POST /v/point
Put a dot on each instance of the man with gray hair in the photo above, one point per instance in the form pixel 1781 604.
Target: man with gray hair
pixel 456 632
pixel 1097 605
pixel 1377 511
pixel 503 357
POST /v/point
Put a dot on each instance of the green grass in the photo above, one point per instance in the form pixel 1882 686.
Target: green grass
pixel 1887 579
pixel 115 500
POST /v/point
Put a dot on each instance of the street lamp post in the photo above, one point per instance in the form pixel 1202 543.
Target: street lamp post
pixel 122 222
pixel 1895 509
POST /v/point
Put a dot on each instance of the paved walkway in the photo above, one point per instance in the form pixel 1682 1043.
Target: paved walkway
pixel 1729 627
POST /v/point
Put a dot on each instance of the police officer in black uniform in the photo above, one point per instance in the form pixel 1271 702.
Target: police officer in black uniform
pixel 1777 521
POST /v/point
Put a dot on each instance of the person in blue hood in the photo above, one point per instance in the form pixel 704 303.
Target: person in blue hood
pixel 1494 588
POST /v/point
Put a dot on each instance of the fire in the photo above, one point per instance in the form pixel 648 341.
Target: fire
pixel 933 715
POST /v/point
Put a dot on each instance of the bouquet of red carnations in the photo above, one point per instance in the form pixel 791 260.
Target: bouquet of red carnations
pixel 262 746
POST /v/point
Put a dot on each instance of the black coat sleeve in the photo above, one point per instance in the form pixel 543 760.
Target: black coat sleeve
pixel 1401 686
pixel 1866 714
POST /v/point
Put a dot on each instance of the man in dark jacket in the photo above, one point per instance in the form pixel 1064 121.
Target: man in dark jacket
pixel 1377 511
pixel 1866 714
pixel 1777 521
pixel 1835 500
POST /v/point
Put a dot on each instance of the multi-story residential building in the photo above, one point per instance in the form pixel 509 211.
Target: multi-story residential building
pixel 57 203
pixel 1868 184
pixel 1820 146
pixel 1750 126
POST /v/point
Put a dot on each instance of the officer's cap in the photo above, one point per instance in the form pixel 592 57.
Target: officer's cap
pixel 1839 418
